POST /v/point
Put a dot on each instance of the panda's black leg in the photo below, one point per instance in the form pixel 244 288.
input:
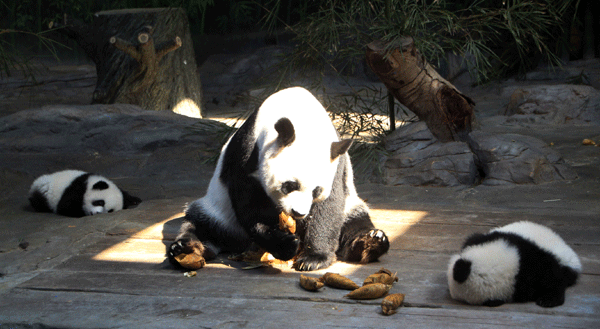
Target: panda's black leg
pixel 555 297
pixel 360 241
pixel 320 241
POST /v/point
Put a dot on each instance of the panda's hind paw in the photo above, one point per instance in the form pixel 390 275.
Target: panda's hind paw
pixel 184 246
pixel 368 247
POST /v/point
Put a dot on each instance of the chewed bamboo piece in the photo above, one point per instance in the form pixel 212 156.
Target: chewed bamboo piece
pixel 310 284
pixel 193 261
pixel 370 291
pixel 391 302
pixel 287 223
pixel 338 281
pixel 382 276
pixel 258 258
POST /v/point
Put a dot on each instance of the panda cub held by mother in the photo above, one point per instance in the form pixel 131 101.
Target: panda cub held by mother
pixel 287 157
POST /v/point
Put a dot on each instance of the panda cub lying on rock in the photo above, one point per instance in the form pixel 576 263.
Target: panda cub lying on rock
pixel 76 193
pixel 519 262
pixel 287 157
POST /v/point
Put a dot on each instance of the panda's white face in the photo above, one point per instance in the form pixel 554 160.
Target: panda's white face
pixel 489 272
pixel 294 184
pixel 299 150
pixel 101 196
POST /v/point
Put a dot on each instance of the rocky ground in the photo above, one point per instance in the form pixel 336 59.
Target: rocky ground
pixel 167 160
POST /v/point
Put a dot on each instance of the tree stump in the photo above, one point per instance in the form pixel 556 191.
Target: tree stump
pixel 417 85
pixel 143 57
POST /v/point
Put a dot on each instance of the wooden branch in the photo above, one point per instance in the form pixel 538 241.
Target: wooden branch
pixel 126 47
pixel 168 47
pixel 409 77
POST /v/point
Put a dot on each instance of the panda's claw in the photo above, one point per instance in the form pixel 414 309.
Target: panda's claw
pixel 312 262
pixel 366 247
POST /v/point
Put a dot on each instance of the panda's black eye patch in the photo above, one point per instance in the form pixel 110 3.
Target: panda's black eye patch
pixel 317 192
pixel 98 203
pixel 101 185
pixel 111 210
pixel 289 187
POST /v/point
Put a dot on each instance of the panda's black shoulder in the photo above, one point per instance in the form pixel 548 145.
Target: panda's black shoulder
pixel 241 152
pixel 71 201
pixel 480 238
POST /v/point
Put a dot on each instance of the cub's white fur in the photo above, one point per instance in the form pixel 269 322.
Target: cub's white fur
pixel 546 239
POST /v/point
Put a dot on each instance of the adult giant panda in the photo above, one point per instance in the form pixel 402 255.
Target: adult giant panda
pixel 519 262
pixel 287 157
pixel 76 193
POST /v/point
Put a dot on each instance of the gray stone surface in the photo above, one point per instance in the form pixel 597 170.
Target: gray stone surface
pixel 102 129
pixel 518 159
pixel 553 104
pixel 417 158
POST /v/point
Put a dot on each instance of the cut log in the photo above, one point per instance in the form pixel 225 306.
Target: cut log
pixel 143 57
pixel 417 85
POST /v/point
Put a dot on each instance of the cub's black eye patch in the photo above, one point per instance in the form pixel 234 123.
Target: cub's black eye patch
pixel 289 187
pixel 98 203
pixel 101 185
pixel 111 210
pixel 317 192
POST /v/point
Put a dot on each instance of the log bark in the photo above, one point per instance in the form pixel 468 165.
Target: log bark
pixel 408 76
pixel 143 57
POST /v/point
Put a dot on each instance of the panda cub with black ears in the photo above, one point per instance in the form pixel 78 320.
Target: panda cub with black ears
pixel 76 193
pixel 287 157
pixel 519 262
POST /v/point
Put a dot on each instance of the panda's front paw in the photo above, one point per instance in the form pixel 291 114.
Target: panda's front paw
pixel 367 247
pixel 286 247
pixel 313 262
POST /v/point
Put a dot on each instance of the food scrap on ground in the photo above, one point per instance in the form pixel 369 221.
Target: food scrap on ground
pixel 193 261
pixel 382 276
pixel 310 283
pixel 335 280
pixel 391 302
pixel 370 291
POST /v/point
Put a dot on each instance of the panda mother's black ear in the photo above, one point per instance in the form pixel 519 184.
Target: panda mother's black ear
pixel 339 148
pixel 285 129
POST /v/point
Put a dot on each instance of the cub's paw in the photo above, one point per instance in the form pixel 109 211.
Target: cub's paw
pixel 186 253
pixel 312 262
pixel 368 247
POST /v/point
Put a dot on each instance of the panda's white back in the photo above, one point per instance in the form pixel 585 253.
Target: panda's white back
pixel 52 186
pixel 546 239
